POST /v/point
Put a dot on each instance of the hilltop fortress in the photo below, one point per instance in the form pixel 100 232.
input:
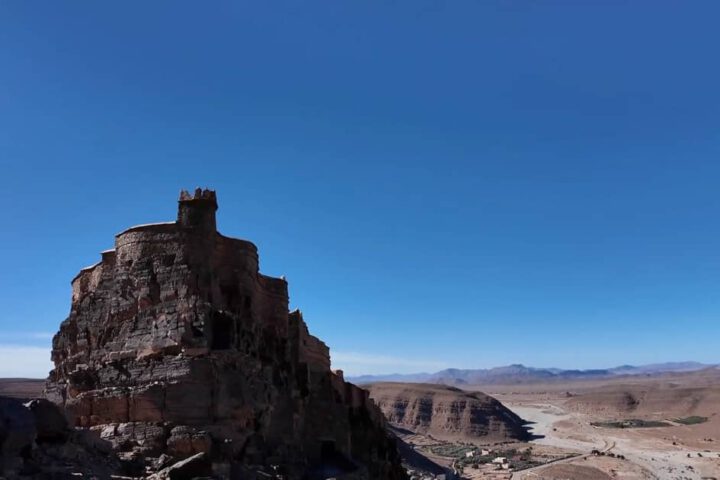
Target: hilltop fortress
pixel 176 346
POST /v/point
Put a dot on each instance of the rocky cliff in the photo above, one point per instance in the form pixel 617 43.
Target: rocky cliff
pixel 447 412
pixel 176 345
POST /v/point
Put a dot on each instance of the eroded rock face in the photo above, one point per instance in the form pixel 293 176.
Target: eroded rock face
pixel 176 345
pixel 447 412
pixel 36 442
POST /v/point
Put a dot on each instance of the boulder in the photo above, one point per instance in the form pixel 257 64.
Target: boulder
pixel 17 434
pixel 35 442
pixel 193 467
pixel 50 422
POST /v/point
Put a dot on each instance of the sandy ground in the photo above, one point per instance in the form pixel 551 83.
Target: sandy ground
pixel 22 388
pixel 650 452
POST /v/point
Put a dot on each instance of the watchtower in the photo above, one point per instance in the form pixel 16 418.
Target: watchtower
pixel 197 210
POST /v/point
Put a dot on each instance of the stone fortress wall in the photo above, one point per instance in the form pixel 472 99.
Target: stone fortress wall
pixel 176 344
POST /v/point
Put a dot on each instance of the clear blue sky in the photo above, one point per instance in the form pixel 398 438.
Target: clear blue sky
pixel 454 183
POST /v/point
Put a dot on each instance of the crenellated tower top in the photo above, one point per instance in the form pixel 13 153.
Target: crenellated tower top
pixel 197 210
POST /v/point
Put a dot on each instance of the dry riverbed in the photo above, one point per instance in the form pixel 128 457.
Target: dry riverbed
pixel 649 453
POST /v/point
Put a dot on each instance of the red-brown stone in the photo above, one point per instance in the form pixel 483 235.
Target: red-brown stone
pixel 177 345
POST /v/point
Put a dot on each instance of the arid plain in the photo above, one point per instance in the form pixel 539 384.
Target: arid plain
pixel 564 416
pixel 655 426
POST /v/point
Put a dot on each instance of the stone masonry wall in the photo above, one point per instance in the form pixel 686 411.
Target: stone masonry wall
pixel 176 344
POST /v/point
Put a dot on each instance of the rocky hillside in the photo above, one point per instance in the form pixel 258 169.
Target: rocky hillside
pixel 446 412
pixel 176 346
pixel 661 400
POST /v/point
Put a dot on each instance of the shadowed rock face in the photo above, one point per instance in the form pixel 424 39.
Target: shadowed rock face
pixel 177 345
pixel 446 412
pixel 36 442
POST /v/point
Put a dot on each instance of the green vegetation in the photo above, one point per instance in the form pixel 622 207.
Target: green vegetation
pixel 636 423
pixel 451 450
pixel 632 423
pixel 693 420
pixel 518 459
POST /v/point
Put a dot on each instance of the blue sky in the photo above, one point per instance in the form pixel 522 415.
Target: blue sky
pixel 464 184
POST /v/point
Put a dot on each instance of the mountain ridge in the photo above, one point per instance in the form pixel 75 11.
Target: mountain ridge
pixel 518 373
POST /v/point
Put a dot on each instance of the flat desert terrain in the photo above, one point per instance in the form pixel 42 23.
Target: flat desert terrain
pixel 22 388
pixel 664 427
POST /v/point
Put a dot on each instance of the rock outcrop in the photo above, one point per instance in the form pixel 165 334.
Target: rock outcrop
pixel 176 346
pixel 37 442
pixel 447 412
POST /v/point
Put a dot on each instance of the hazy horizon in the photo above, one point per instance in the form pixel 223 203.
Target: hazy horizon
pixel 453 184
pixel 36 361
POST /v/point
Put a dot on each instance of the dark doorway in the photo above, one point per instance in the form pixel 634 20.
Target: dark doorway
pixel 222 331
pixel 327 450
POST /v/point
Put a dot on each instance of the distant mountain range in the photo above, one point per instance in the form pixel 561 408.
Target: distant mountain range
pixel 517 374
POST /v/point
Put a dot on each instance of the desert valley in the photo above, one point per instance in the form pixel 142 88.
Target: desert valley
pixel 661 425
